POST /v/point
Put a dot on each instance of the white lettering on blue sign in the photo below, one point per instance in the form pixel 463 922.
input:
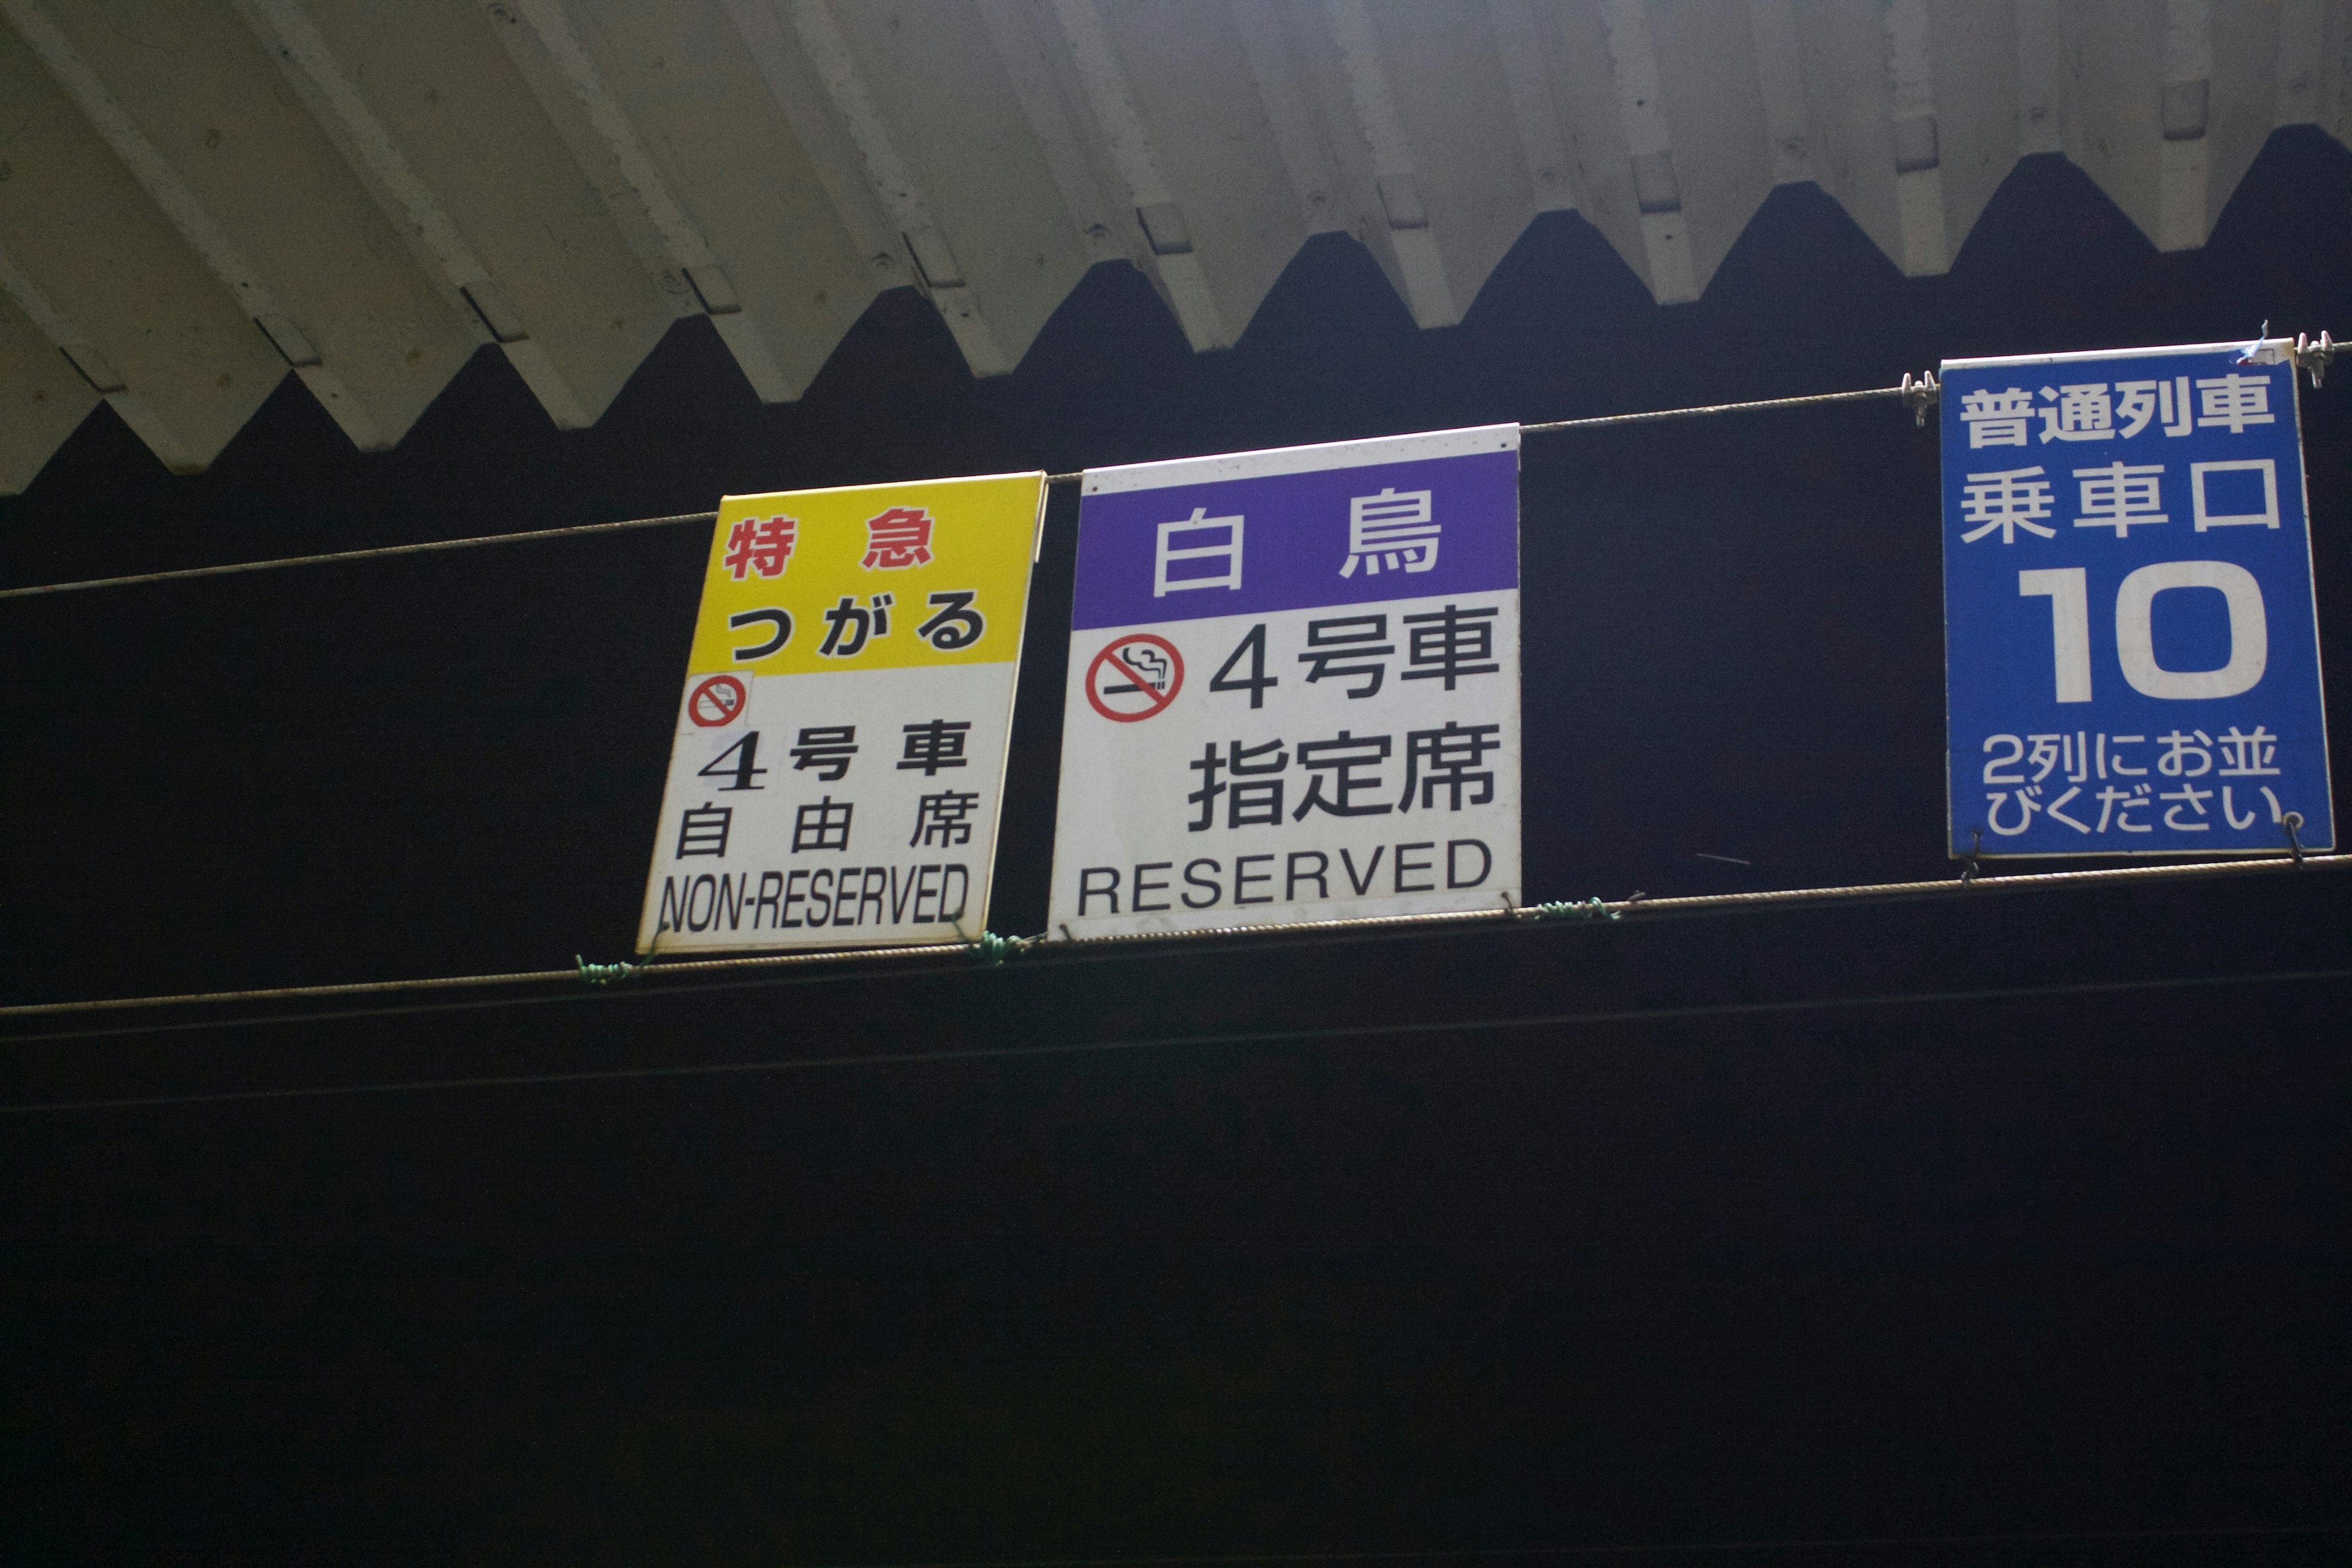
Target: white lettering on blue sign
pixel 2117 683
pixel 1393 528
pixel 1203 538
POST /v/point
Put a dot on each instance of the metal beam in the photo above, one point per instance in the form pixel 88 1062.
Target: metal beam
pixel 734 159
pixel 612 165
pixel 1919 158
pixel 1167 235
pixel 892 180
pixel 1576 56
pixel 376 155
pixel 2247 56
pixel 2041 119
pixel 1549 152
pixel 187 214
pixel 1780 83
pixel 465 122
pixel 1718 122
pixel 1978 99
pixel 798 91
pixel 321 277
pixel 43 399
pixel 1045 83
pixel 1284 97
pixel 540 35
pixel 98 271
pixel 2184 111
pixel 1179 124
pixel 1399 209
pixel 97 374
pixel 1649 143
pixel 2169 102
pixel 2306 86
pixel 945 141
pixel 1890 126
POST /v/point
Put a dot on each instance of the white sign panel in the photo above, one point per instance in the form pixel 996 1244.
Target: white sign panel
pixel 839 758
pixel 1293 688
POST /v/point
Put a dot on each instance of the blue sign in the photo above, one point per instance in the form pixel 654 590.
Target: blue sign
pixel 2131 638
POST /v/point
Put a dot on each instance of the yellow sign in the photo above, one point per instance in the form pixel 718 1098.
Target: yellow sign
pixel 869 577
pixel 859 809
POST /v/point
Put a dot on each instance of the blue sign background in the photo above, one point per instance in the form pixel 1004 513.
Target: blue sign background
pixel 2124 772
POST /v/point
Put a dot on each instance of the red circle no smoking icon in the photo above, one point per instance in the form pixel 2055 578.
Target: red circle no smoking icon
pixel 1135 677
pixel 717 700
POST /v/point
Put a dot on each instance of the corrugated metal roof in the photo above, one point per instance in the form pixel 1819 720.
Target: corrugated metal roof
pixel 197 195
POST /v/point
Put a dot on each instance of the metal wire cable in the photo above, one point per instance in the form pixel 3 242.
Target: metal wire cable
pixel 342 556
pixel 1911 391
pixel 1640 907
pixel 1590 1020
pixel 469 981
pixel 1919 393
pixel 1641 1548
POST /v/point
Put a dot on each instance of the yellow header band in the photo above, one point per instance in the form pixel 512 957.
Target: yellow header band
pixel 869 577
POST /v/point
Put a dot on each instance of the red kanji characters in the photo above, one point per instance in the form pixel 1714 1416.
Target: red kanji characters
pixel 761 545
pixel 898 538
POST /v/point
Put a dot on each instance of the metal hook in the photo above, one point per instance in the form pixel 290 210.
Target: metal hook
pixel 2290 822
pixel 1976 844
pixel 2314 355
pixel 1919 394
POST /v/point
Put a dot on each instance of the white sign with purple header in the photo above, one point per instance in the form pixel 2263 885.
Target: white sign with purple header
pixel 1293 688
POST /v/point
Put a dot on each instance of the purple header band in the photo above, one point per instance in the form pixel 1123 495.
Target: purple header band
pixel 1297 532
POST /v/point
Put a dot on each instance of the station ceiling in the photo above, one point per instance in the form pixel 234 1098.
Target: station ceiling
pixel 197 197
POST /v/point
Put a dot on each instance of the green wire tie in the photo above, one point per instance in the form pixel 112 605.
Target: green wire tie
pixel 605 973
pixel 1574 910
pixel 992 950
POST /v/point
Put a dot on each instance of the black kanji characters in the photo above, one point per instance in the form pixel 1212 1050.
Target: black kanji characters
pixel 935 744
pixel 1440 764
pixel 1251 798
pixel 1334 764
pixel 1443 760
pixel 822 823
pixel 944 820
pixel 703 829
pixel 826 748
pixel 1451 643
pixel 1348 646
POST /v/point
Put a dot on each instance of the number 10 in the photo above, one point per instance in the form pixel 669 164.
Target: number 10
pixel 2070 630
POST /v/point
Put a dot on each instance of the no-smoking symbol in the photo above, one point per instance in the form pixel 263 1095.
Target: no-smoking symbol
pixel 1135 677
pixel 717 700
